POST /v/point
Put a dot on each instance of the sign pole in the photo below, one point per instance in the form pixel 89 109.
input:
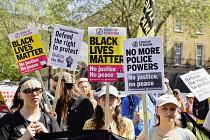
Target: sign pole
pixel 44 91
pixel 144 96
pixel 107 106
pixel 57 90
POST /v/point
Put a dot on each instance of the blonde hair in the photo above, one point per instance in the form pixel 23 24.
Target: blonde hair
pixel 85 80
pixel 32 83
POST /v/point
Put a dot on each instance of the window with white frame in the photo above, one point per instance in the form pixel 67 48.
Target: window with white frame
pixel 199 55
pixel 178 53
pixel 200 31
pixel 178 26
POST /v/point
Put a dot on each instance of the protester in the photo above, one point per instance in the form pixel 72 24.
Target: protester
pixel 167 86
pixel 100 85
pixel 132 108
pixel 23 124
pixel 181 105
pixel 85 88
pixel 117 124
pixel 167 126
pixel 73 108
pixel 18 102
pixel 206 123
pixel 189 104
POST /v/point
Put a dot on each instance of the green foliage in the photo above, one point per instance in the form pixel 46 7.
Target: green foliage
pixel 17 15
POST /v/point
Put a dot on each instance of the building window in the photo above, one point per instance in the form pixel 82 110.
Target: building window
pixel 200 31
pixel 178 26
pixel 199 55
pixel 178 53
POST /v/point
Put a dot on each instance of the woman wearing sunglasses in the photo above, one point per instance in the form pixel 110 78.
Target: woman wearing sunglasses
pixel 23 124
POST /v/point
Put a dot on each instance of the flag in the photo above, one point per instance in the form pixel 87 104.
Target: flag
pixel 198 130
pixel 146 23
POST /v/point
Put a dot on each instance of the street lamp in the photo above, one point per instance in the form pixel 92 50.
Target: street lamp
pixel 115 23
pixel 50 31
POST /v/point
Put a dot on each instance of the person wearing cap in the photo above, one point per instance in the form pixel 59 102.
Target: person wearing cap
pixel 73 108
pixel 29 120
pixel 167 126
pixel 99 85
pixel 85 87
pixel 117 124
pixel 189 104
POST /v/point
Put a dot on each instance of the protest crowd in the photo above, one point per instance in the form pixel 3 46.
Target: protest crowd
pixel 75 112
pixel 149 109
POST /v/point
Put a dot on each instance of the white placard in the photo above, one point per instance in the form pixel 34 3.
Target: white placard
pixel 143 65
pixel 198 82
pixel 65 47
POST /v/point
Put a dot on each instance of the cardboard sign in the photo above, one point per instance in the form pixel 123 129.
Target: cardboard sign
pixel 105 54
pixel 198 82
pixel 65 47
pixel 3 105
pixel 143 65
pixel 28 50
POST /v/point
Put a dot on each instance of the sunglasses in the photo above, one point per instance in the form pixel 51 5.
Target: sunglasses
pixel 31 90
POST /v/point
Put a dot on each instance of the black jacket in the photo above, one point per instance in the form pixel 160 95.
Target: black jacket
pixel 79 110
pixel 13 125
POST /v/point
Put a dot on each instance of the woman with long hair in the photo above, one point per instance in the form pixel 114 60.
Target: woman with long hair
pixel 167 126
pixel 117 124
pixel 73 108
pixel 29 120
pixel 85 87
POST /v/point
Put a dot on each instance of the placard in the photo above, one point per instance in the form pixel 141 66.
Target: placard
pixel 28 50
pixel 198 82
pixel 143 65
pixel 105 54
pixel 3 105
pixel 65 47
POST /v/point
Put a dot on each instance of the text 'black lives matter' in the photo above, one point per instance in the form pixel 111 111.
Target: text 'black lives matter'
pixel 23 48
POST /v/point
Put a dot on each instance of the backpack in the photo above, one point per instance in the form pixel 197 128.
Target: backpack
pixel 200 109
pixel 132 103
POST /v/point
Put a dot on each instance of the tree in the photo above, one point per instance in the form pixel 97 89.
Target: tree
pixel 17 16
pixel 194 14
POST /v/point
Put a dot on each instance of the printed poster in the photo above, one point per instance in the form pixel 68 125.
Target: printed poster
pixel 28 50
pixel 65 47
pixel 198 82
pixel 143 65
pixel 105 54
pixel 3 105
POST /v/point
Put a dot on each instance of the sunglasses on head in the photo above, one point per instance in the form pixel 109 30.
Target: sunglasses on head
pixel 31 90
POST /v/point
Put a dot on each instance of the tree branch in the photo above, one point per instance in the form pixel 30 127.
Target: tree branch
pixel 168 13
